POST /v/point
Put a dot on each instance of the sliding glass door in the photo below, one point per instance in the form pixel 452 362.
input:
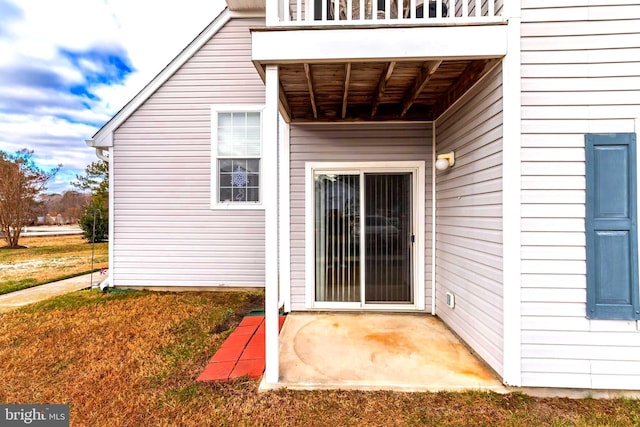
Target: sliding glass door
pixel 387 242
pixel 364 237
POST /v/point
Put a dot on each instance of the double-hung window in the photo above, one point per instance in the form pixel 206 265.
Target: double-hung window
pixel 236 156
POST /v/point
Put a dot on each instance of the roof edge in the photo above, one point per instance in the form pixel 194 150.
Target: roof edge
pixel 104 136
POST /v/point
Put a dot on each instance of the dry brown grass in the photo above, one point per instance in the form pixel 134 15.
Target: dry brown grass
pixel 130 359
pixel 47 259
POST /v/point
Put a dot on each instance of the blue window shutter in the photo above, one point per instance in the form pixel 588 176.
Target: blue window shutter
pixel 611 227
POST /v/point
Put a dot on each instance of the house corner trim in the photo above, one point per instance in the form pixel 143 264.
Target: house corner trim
pixel 511 208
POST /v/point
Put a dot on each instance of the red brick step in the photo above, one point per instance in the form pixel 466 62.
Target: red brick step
pixel 242 353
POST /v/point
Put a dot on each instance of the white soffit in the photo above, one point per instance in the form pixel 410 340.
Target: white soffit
pixel 246 5
pixel 354 44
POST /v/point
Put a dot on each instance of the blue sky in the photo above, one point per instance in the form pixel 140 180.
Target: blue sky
pixel 67 66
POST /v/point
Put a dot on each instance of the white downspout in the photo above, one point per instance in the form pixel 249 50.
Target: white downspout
pixel 101 155
pixel 284 299
pixel 104 154
pixel 433 218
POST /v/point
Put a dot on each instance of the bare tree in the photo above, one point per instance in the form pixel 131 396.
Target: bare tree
pixel 21 181
pixel 72 204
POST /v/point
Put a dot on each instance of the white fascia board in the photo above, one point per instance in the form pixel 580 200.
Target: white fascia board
pixel 105 141
pixel 104 137
pixel 362 44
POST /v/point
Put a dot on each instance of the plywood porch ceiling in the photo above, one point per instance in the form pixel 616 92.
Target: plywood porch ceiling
pixel 378 91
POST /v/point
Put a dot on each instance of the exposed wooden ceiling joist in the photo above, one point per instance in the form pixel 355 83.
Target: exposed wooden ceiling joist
pixel 345 95
pixel 420 90
pixel 284 104
pixel 420 82
pixel 382 85
pixel 312 96
pixel 463 83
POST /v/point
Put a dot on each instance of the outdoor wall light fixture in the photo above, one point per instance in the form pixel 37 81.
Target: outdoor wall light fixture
pixel 445 161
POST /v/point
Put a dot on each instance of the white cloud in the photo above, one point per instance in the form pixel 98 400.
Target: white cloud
pixel 43 125
pixel 91 65
pixel 153 36
pixel 73 24
pixel 115 96
pixel 57 88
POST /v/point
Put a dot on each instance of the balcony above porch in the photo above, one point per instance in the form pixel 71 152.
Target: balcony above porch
pixel 378 12
pixel 392 60
pixel 376 74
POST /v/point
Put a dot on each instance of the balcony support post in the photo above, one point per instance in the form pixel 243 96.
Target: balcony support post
pixel 272 9
pixel 270 121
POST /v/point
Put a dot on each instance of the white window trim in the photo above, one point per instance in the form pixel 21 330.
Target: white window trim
pixel 232 108
pixel 418 169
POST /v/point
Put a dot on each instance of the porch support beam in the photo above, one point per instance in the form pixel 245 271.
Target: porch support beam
pixel 285 109
pixel 345 94
pixel 312 95
pixel 420 82
pixel 270 202
pixel 382 85
pixel 272 12
pixel 339 45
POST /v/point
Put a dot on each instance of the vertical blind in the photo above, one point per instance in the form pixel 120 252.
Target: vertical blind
pixel 376 251
pixel 337 214
pixel 388 238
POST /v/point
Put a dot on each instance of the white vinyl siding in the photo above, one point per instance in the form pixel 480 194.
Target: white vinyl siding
pixel 166 234
pixel 469 219
pixel 580 74
pixel 356 143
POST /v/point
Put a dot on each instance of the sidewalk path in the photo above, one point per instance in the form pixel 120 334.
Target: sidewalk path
pixel 15 300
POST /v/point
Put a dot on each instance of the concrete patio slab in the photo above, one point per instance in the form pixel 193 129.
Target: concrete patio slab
pixel 371 351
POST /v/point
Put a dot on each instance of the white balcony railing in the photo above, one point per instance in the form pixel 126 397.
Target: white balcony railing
pixel 381 12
